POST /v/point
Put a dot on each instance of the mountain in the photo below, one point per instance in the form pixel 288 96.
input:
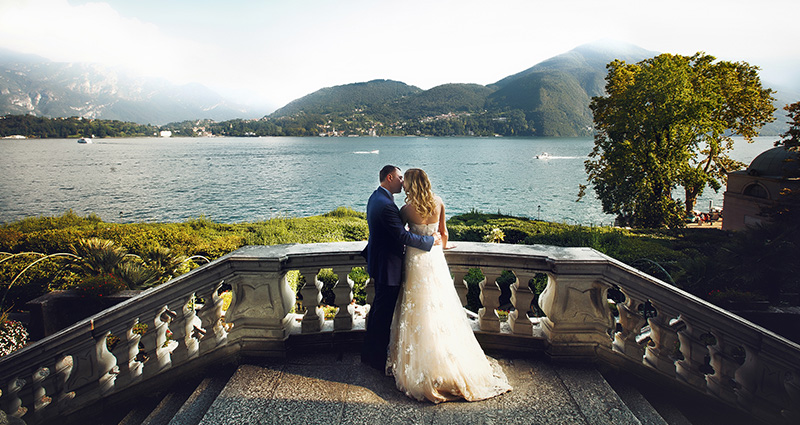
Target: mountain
pixel 346 98
pixel 443 99
pixel 34 85
pixel 555 94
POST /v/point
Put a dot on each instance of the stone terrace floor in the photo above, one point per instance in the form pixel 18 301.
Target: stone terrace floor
pixel 331 389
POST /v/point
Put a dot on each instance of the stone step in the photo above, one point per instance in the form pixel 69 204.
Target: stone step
pixel 597 400
pixel 196 406
pixel 645 411
pixel 184 403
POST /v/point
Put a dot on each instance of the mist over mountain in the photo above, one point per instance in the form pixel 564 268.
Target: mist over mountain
pixel 33 85
pixel 553 95
pixel 549 99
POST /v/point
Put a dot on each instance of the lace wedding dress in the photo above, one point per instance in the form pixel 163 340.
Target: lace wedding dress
pixel 433 353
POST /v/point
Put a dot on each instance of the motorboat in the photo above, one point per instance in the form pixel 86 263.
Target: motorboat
pixel 85 140
pixel 543 155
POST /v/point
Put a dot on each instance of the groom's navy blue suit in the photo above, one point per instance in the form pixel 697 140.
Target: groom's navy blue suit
pixel 384 253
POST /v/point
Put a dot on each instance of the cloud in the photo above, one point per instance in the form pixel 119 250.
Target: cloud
pixel 95 32
pixel 275 51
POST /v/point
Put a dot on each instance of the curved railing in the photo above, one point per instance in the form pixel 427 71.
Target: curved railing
pixel 180 327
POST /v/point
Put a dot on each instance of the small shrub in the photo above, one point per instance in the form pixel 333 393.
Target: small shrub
pixel 359 277
pixel 227 297
pixel 330 311
pixel 100 286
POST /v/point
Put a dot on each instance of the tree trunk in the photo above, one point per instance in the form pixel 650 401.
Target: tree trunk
pixel 691 199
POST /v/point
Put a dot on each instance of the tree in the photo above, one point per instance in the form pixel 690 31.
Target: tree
pixel 664 124
pixel 732 102
pixel 792 136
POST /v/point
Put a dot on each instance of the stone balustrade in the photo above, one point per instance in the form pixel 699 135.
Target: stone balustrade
pixel 180 327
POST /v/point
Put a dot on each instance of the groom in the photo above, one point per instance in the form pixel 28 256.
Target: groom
pixel 384 253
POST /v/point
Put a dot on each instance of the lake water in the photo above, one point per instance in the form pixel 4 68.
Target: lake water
pixel 234 180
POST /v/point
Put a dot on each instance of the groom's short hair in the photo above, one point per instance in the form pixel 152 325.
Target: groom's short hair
pixel 386 170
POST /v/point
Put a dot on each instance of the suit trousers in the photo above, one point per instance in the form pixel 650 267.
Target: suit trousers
pixel 379 323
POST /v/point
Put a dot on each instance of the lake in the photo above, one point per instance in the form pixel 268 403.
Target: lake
pixel 234 180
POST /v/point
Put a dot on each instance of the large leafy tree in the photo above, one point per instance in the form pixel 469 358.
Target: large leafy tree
pixel 665 122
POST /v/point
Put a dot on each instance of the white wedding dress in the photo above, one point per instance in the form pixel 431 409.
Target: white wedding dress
pixel 433 353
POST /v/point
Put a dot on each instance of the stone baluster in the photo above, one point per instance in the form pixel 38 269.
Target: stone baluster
pixel 179 331
pixel 369 290
pixel 577 315
pixel 41 384
pixel 122 351
pixel 106 364
pixel 12 402
pixel 521 298
pixel 192 329
pixel 147 354
pixel 791 383
pixel 211 319
pixel 490 298
pixel 63 371
pixel 312 296
pixel 343 291
pixel 136 360
pixel 461 286
pixel 721 382
pixel 660 355
pixel 164 345
pixel 748 377
pixel 694 351
pixel 631 322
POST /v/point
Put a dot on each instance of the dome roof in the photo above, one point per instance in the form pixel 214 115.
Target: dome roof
pixel 776 162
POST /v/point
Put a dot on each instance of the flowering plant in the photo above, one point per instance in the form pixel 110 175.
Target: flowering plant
pixel 13 335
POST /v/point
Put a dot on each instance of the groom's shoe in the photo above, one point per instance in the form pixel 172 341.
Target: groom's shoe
pixel 375 364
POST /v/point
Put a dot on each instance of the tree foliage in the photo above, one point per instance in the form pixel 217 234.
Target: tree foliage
pixel 791 139
pixel 40 127
pixel 666 123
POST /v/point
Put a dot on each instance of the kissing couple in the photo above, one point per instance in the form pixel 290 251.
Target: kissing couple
pixel 417 330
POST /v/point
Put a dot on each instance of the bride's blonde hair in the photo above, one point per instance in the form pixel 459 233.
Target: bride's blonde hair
pixel 419 193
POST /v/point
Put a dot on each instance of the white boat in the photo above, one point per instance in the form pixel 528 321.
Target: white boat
pixel 543 155
pixel 85 140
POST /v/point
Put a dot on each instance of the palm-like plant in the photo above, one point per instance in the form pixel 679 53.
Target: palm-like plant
pixel 98 256
pixel 136 275
pixel 163 261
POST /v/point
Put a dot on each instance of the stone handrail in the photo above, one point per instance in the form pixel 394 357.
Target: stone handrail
pixel 667 331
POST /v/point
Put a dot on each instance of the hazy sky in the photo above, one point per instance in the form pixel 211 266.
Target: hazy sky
pixel 272 52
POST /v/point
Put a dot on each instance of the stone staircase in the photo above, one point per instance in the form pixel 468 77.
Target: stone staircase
pixel 336 389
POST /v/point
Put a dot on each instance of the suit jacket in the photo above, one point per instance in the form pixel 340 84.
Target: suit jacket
pixel 387 239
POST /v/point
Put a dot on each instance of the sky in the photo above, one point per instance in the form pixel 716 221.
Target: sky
pixel 270 52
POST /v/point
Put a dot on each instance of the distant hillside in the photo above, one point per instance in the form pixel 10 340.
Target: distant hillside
pixel 555 94
pixel 551 98
pixel 34 85
pixel 444 99
pixel 346 98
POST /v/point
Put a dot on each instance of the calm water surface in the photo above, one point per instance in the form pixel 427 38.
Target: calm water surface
pixel 250 179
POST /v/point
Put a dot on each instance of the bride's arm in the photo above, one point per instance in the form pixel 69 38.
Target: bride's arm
pixel 404 214
pixel 443 226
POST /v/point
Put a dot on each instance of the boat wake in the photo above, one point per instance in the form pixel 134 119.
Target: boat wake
pixel 376 151
pixel 549 157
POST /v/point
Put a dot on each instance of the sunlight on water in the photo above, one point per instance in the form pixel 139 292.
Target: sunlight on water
pixel 251 179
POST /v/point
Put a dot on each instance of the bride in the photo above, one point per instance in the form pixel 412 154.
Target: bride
pixel 433 353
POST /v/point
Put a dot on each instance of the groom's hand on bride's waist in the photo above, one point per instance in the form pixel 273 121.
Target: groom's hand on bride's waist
pixel 437 238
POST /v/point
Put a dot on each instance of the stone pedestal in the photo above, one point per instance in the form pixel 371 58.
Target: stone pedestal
pixel 57 310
